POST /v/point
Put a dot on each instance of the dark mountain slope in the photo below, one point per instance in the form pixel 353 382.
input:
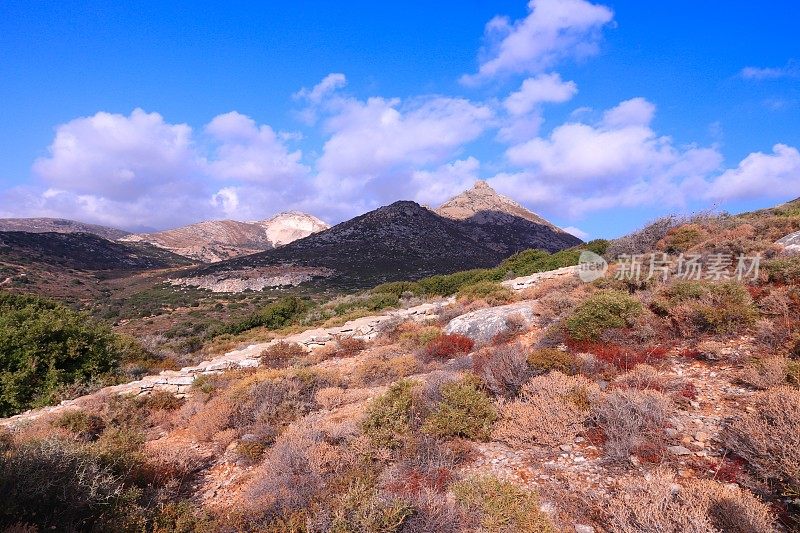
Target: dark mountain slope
pixel 398 241
pixel 82 251
pixel 59 225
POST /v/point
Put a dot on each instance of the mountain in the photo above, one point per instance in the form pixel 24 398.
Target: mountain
pixel 397 241
pixel 82 251
pixel 503 224
pixel 59 225
pixel 217 240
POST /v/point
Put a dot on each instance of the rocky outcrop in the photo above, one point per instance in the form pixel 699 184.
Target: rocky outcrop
pixel 791 243
pixel 503 224
pixel 217 240
pixel 254 279
pixel 484 324
pixel 524 282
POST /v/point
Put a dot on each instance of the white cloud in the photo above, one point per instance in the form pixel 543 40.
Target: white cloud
pixel 790 70
pixel 579 233
pixel 138 171
pixel 620 161
pixel 119 157
pixel 633 112
pixel 434 187
pixel 537 90
pixel 249 152
pixel 370 137
pixel 760 175
pixel 524 105
pixel 328 85
pixel 552 31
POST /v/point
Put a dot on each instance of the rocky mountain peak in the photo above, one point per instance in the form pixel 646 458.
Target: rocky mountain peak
pixel 482 202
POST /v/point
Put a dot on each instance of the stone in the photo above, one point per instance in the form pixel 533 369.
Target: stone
pixel 582 528
pixel 484 324
pixel 679 450
pixel 790 243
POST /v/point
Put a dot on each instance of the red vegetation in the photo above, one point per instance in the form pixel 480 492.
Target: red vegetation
pixel 691 353
pixel 416 480
pixel 688 391
pixel 447 346
pixel 730 470
pixel 622 357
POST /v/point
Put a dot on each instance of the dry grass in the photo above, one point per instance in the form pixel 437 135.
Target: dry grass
pixel 656 503
pixel 766 373
pixel 767 436
pixel 551 410
pixel 502 369
pixel 632 422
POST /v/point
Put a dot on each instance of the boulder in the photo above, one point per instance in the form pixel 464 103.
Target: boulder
pixel 482 325
pixel 791 243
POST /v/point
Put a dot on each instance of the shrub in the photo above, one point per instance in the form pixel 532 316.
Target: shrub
pixel 378 369
pixel 448 346
pixel 502 369
pixel 349 347
pixel 53 484
pixel 448 284
pixel 464 411
pixel 288 478
pixel 783 270
pixel 375 301
pixel 389 417
pixel 85 426
pixel 766 373
pixel 276 315
pixel 490 291
pixel 632 421
pixel 543 360
pixel 551 410
pixel 45 346
pixel 766 436
pixel 708 307
pixel 282 354
pixel 415 336
pixel 642 377
pixel 657 503
pixel 397 288
pixel 501 505
pixel 361 508
pixel 601 311
pixel 644 240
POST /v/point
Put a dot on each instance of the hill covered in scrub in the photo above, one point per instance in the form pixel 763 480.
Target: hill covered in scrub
pixel 405 241
pixel 475 400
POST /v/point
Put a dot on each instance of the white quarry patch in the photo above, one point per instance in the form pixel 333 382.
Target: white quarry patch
pixel 254 279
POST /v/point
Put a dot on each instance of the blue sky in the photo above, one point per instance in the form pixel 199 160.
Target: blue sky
pixel 600 116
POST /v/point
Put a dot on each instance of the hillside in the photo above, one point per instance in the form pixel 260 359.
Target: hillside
pixel 397 241
pixel 476 229
pixel 502 223
pixel 217 240
pixel 59 225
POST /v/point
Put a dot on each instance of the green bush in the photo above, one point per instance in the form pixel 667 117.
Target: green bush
pixel 389 416
pixel 276 315
pixel 491 291
pixel 447 284
pixel 398 288
pixel 464 411
pixel 46 347
pixel 84 426
pixel 502 505
pixel 601 311
pixel 373 302
pixel 544 360
pixel 710 307
pixel 783 270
